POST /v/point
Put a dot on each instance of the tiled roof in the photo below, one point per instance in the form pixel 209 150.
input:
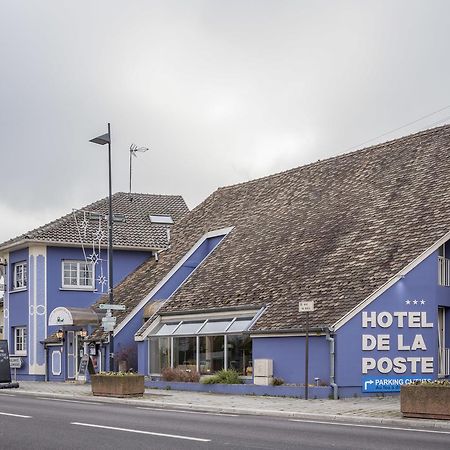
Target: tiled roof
pixel 333 231
pixel 136 231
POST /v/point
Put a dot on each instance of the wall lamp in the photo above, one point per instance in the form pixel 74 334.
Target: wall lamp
pixel 60 334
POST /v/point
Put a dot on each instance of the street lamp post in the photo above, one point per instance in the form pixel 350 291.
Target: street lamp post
pixel 102 140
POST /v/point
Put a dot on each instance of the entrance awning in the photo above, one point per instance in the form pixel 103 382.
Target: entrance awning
pixel 62 316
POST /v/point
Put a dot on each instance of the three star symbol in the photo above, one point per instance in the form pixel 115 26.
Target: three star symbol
pixel 415 302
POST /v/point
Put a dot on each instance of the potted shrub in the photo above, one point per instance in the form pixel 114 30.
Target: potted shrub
pixel 117 384
pixel 426 399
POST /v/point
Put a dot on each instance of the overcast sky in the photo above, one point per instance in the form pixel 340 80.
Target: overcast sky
pixel 221 91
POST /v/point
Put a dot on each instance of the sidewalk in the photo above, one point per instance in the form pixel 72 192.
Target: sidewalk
pixel 370 410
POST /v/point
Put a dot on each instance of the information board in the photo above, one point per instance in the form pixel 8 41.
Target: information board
pixel 5 370
pixel 307 306
pixel 86 365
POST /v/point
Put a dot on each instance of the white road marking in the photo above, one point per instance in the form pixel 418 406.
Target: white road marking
pixel 69 401
pixel 152 433
pixel 189 412
pixel 370 426
pixel 8 395
pixel 15 415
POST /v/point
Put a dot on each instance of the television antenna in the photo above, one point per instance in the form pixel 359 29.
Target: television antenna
pixel 134 149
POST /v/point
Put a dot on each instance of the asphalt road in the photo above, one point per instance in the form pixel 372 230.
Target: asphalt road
pixel 33 422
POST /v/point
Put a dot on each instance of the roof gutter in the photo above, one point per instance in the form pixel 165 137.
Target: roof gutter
pixel 298 331
pixel 27 242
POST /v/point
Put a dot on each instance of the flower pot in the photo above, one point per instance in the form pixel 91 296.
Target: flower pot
pixel 128 385
pixel 425 401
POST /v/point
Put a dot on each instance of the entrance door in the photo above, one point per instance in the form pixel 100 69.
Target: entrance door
pixel 72 354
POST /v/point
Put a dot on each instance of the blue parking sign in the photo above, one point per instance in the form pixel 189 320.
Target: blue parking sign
pixel 388 384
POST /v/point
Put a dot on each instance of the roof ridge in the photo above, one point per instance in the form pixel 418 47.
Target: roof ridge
pixel 340 156
pixel 146 194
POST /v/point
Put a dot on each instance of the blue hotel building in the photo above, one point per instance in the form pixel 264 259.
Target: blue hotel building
pixel 365 236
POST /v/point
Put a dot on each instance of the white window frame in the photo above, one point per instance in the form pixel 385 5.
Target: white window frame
pixel 20 349
pixel 78 286
pixel 20 283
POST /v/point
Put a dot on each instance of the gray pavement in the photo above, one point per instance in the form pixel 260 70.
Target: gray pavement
pixel 47 423
pixel 385 410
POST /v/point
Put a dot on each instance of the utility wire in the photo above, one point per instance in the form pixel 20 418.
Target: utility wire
pixel 439 121
pixel 403 126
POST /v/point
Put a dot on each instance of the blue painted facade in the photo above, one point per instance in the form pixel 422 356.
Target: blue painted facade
pixel 412 303
pixel 124 339
pixel 30 307
pixel 288 355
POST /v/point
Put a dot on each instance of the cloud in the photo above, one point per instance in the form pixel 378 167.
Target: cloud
pixel 221 92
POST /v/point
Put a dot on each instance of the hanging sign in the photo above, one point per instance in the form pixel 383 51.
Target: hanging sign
pixel 111 307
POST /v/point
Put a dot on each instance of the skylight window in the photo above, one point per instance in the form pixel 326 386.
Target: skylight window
pixel 159 219
pixel 92 215
pixel 119 218
pixel 202 327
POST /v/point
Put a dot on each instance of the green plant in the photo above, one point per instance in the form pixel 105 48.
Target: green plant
pixel 223 377
pixel 187 376
pixel 277 381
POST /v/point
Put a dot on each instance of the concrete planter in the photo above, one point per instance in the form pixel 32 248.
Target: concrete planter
pixel 117 385
pixel 425 401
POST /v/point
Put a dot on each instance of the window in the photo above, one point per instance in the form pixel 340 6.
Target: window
pixel 240 354
pixel 211 354
pixel 20 340
pixel 206 345
pixel 443 267
pixel 159 354
pixel 77 275
pixel 20 275
pixel 185 353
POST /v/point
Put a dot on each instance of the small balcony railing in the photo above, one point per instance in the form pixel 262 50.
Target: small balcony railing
pixel 444 271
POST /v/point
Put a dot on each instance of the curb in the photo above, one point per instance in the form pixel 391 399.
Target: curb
pixel 421 424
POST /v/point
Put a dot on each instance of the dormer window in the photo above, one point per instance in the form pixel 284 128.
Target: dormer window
pixel 443 267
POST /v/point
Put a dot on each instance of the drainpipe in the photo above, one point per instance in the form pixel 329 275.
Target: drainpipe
pixel 46 363
pixel 330 339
